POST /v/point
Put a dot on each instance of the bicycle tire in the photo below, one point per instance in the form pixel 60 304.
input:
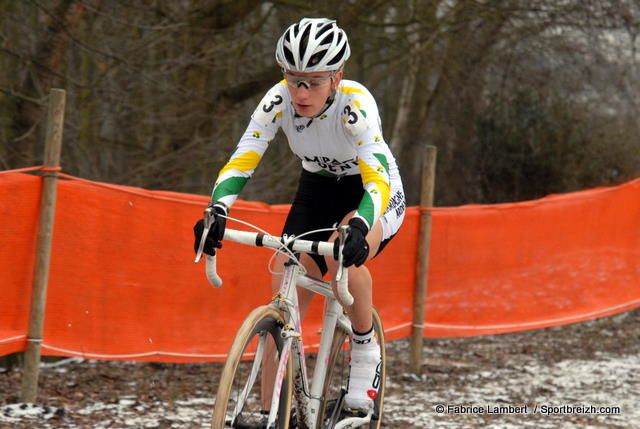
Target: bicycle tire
pixel 338 376
pixel 269 321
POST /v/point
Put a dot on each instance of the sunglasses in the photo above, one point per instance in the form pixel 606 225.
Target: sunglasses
pixel 310 83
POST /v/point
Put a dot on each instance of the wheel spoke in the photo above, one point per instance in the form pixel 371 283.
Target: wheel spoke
pixel 255 369
pixel 239 400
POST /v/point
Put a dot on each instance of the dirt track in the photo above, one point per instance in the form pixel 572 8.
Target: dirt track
pixel 590 364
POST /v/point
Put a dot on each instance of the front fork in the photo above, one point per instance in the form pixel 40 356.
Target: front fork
pixel 287 301
pixel 308 401
pixel 332 311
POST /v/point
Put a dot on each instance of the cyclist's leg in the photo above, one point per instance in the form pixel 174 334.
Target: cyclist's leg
pixel 366 355
pixel 360 281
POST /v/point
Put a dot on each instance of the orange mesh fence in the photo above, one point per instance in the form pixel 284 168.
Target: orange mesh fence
pixel 19 208
pixel 123 284
pixel 560 259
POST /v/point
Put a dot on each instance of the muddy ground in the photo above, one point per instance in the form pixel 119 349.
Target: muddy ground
pixel 576 376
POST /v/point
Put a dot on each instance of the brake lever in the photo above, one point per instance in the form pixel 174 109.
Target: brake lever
pixel 209 220
pixel 341 275
pixel 343 232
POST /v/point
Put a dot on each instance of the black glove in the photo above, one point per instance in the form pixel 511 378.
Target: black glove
pixel 356 248
pixel 216 233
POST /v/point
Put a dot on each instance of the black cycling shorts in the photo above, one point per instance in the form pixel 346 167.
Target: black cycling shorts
pixel 322 202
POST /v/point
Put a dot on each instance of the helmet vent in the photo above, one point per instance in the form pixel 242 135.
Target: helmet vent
pixel 323 30
pixel 289 55
pixel 304 40
pixel 335 60
pixel 328 38
pixel 317 57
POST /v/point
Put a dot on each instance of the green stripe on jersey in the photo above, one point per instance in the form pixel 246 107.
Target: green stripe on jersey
pixel 383 161
pixel 366 209
pixel 230 186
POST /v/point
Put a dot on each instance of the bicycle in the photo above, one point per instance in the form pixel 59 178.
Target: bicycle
pixel 319 404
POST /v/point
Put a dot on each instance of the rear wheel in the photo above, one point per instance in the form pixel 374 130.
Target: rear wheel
pixel 238 401
pixel 335 384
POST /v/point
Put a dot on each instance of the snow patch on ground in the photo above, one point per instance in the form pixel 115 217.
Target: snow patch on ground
pixel 126 413
pixel 13 413
pixel 594 363
pixel 413 405
pixel 569 382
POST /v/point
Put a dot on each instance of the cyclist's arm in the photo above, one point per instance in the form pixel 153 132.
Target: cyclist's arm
pixel 264 124
pixel 361 121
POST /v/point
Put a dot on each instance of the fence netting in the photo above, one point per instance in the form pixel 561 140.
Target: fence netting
pixel 122 283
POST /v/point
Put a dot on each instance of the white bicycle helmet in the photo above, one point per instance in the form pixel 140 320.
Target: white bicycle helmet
pixel 313 45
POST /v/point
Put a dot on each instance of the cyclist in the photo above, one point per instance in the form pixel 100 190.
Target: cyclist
pixel 348 176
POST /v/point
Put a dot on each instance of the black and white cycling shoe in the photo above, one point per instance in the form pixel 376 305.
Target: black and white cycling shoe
pixel 364 376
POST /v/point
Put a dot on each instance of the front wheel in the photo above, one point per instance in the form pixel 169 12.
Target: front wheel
pixel 239 400
pixel 337 378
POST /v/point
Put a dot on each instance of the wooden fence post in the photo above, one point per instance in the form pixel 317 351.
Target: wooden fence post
pixel 422 265
pixel 53 145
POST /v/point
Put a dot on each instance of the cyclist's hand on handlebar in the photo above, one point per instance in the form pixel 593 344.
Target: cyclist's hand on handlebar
pixel 216 233
pixel 356 248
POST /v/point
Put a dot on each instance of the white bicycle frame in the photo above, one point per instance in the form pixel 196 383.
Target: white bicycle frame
pixel 308 397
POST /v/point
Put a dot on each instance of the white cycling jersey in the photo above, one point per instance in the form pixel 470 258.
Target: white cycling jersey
pixel 345 139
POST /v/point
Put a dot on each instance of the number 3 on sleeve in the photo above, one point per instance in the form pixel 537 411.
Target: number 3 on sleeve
pixel 269 107
pixel 354 118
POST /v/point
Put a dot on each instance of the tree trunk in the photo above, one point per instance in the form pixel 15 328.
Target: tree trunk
pixel 44 71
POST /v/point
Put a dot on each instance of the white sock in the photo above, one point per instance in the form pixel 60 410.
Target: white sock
pixel 362 339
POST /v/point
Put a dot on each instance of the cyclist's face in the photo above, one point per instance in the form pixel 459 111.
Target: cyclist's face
pixel 309 91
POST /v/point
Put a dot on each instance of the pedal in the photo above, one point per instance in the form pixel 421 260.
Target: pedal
pixel 354 419
pixel 348 413
pixel 343 418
